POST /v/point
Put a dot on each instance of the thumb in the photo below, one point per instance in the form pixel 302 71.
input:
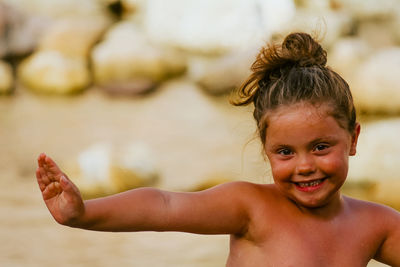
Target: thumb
pixel 69 188
pixel 66 184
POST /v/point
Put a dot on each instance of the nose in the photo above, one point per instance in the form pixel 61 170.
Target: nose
pixel 305 165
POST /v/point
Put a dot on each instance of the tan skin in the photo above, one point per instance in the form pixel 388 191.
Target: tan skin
pixel 300 220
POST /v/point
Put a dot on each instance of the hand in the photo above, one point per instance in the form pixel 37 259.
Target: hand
pixel 61 196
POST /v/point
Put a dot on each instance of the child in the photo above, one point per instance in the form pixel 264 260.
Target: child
pixel 307 124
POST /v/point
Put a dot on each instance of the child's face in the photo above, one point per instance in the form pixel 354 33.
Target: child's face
pixel 308 152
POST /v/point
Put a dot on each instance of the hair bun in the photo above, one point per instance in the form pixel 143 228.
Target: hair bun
pixel 303 50
pixel 274 60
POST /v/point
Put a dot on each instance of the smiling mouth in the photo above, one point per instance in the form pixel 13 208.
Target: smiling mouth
pixel 310 186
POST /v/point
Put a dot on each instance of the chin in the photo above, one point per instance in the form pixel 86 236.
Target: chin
pixel 311 203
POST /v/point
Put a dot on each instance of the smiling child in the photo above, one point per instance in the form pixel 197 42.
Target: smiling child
pixel 307 124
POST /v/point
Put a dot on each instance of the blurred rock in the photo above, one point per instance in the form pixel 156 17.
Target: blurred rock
pixel 133 166
pixel 60 66
pixel 387 192
pixel 103 169
pixel 127 63
pixel 6 78
pixel 378 33
pixel 54 73
pixel 215 27
pixel 25 34
pixel 361 189
pixel 133 9
pixel 3 28
pixel 378 152
pixel 60 8
pixel 126 9
pixel 376 86
pixel 91 172
pixel 374 171
pixel 67 25
pixel 19 31
pixel 314 5
pixel 73 37
pixel 346 56
pixel 365 9
pixel 211 181
pixel 394 26
pixel 328 26
pixel 219 75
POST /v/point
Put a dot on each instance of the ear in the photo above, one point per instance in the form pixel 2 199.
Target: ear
pixel 354 139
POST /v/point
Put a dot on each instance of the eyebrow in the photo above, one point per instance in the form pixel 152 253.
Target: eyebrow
pixel 328 138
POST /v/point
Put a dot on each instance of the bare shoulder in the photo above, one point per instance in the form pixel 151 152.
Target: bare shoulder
pixel 378 216
pixel 368 208
pixel 246 189
pixel 250 194
pixel 385 223
pixel 257 198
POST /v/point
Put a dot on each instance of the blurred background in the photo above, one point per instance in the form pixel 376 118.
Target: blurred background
pixel 131 93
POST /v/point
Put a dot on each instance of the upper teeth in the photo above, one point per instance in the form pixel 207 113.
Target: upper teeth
pixel 312 183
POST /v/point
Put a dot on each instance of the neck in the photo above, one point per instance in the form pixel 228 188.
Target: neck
pixel 328 210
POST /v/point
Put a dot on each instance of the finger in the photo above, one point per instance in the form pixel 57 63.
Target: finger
pixel 57 186
pixel 42 169
pixel 69 187
pixel 53 171
pixel 40 159
pixel 39 179
pixel 49 192
pixel 43 175
pixel 66 184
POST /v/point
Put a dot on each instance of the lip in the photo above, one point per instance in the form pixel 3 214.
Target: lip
pixel 309 188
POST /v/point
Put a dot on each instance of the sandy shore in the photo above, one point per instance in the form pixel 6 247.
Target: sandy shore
pixel 189 147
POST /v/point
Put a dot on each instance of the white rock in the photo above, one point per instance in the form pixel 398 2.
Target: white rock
pixel 379 33
pixel 133 9
pixel 327 25
pixel 6 78
pixel 25 32
pixel 3 27
pixel 374 171
pixel 134 166
pixel 376 86
pixel 19 30
pixel 218 75
pixel 395 25
pixel 346 56
pixel 103 169
pixel 60 8
pixel 53 72
pixel 127 57
pixel 378 151
pixel 60 64
pixel 71 23
pixel 73 36
pixel 210 26
pixel 94 165
pixel 314 5
pixel 363 9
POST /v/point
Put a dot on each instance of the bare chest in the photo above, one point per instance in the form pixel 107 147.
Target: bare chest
pixel 305 244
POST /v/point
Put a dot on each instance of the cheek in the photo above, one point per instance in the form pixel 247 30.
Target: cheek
pixel 281 168
pixel 334 164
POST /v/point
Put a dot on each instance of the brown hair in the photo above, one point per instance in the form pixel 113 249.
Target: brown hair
pixel 294 72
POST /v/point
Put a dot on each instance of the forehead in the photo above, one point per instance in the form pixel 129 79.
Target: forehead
pixel 302 122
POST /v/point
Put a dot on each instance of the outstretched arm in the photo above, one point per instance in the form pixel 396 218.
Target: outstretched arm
pixel 220 210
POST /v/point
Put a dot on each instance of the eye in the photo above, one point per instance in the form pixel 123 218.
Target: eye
pixel 320 147
pixel 285 152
